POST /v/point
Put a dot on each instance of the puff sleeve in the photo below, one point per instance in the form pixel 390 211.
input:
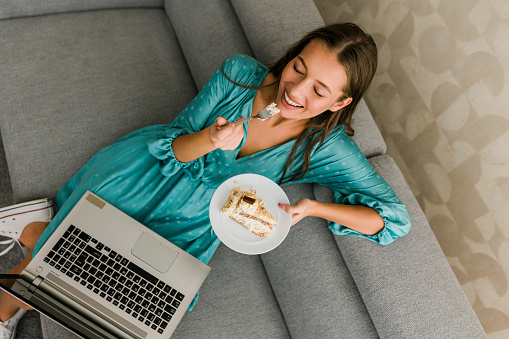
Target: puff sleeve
pixel 197 115
pixel 341 166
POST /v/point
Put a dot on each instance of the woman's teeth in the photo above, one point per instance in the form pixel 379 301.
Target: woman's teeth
pixel 290 101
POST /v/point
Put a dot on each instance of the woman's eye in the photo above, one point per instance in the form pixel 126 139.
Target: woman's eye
pixel 321 96
pixel 296 70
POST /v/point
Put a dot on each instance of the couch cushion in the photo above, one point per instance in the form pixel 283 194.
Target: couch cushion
pixel 367 135
pixel 24 8
pixel 236 301
pixel 74 83
pixel 315 291
pixel 206 45
pixel 268 34
pixel 408 286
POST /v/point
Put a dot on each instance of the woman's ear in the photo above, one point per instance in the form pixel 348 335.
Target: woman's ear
pixel 339 105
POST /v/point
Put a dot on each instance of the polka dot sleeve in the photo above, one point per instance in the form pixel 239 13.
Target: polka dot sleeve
pixel 340 165
pixel 198 115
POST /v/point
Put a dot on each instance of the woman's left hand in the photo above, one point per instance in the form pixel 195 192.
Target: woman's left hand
pixel 298 211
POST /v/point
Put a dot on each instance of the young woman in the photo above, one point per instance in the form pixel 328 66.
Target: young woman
pixel 164 176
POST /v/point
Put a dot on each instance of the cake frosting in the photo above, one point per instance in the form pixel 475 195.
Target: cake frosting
pixel 244 207
pixel 272 108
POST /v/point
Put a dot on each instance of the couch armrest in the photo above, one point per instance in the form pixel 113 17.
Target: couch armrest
pixel 408 287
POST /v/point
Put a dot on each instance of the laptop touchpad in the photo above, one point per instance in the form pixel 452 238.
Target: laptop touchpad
pixel 153 252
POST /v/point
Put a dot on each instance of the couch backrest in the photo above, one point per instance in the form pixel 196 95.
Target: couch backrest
pixel 24 8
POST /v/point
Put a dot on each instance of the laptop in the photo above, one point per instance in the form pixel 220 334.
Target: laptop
pixel 102 274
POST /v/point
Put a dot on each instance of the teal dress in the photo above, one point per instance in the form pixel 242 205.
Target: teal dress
pixel 140 175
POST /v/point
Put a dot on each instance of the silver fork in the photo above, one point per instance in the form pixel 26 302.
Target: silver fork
pixel 263 115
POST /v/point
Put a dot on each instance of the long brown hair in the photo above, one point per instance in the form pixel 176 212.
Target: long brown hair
pixel 356 51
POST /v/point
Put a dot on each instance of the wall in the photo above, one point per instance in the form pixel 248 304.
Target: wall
pixel 441 100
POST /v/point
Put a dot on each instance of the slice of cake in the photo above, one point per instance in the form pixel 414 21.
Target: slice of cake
pixel 247 209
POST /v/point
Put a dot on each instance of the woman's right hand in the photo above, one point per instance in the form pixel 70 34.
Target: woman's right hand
pixel 229 137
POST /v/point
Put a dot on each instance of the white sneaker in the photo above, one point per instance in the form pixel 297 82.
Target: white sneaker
pixel 8 328
pixel 13 219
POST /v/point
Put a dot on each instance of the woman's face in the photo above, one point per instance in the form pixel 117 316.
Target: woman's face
pixel 311 84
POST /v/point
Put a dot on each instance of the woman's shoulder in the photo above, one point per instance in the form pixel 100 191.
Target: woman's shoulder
pixel 243 60
pixel 244 69
pixel 338 141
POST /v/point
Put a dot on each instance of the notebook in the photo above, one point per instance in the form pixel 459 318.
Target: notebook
pixel 102 274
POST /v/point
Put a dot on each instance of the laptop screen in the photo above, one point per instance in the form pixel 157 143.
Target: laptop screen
pixel 8 280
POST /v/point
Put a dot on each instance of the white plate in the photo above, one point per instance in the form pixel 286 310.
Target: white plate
pixel 236 236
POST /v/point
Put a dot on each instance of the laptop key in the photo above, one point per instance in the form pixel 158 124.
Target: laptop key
pixel 81 260
pixel 170 310
pixel 90 250
pixel 59 243
pixel 76 270
pixel 85 237
pixel 141 272
pixel 179 296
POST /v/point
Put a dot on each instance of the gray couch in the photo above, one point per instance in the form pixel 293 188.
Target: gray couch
pixel 76 75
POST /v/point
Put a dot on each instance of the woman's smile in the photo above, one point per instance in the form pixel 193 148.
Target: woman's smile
pixel 289 102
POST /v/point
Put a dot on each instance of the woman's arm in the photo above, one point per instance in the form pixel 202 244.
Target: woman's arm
pixel 189 147
pixel 360 218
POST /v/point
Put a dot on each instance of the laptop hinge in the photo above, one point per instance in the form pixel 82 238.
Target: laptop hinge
pixel 35 284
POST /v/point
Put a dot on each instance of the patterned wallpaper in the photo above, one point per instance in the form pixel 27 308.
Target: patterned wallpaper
pixel 441 100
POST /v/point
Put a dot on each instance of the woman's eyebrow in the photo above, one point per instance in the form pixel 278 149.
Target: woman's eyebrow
pixel 319 82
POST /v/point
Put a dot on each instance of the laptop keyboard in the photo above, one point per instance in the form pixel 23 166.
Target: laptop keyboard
pixel 115 279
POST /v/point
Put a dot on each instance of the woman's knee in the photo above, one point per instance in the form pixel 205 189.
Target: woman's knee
pixel 31 233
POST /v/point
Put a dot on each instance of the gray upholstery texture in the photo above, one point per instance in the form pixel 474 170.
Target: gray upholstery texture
pixel 270 43
pixel 190 20
pixel 236 301
pixel 313 287
pixel 83 80
pixel 367 135
pixel 408 287
pixel 24 8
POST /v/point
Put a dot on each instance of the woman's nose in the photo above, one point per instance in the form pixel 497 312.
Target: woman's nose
pixel 297 89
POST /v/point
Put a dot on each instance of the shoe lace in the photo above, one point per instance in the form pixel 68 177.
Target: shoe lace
pixel 12 243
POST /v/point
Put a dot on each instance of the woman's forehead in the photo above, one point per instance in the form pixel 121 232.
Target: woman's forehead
pixel 323 66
